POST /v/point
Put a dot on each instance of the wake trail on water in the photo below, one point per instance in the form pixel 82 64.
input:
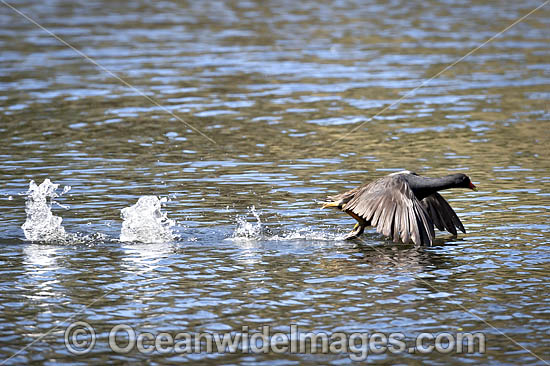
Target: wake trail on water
pixel 143 222
pixel 256 230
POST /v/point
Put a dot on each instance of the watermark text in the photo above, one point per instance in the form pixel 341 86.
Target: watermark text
pixel 80 338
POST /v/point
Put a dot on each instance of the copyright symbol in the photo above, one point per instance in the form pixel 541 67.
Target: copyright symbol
pixel 79 338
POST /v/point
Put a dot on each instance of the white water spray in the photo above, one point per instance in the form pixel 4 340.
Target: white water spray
pixel 146 223
pixel 41 224
pixel 248 230
pixel 258 230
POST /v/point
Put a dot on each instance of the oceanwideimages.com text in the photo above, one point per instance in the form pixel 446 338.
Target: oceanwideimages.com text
pixel 80 338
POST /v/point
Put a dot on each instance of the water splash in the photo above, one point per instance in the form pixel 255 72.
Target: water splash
pixel 145 222
pixel 41 224
pixel 307 233
pixel 256 230
pixel 248 230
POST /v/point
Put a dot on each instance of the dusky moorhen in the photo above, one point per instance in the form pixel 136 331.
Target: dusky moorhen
pixel 403 205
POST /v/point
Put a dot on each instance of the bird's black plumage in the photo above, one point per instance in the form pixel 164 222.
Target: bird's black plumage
pixel 403 206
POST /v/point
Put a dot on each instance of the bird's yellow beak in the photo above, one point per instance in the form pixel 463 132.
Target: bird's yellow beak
pixel 472 187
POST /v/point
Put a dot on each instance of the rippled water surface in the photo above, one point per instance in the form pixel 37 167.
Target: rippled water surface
pixel 274 88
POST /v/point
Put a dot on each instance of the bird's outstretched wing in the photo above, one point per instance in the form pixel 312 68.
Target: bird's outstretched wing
pixel 390 205
pixel 442 214
pixel 343 198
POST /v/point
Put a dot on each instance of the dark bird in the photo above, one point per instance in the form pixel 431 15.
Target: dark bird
pixel 402 206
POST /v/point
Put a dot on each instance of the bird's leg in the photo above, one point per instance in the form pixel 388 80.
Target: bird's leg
pixel 356 232
pixel 359 226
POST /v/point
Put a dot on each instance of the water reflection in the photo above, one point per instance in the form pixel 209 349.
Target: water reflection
pixel 41 265
pixel 139 257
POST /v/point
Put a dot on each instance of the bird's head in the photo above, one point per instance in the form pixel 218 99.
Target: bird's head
pixel 463 181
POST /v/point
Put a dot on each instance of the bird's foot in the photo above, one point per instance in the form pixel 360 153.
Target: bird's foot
pixel 355 233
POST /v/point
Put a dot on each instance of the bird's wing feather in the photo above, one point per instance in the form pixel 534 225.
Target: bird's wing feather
pixel 390 205
pixel 442 214
pixel 344 196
